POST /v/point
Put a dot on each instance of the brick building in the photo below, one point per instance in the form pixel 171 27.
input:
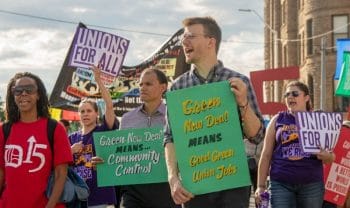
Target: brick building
pixel 300 27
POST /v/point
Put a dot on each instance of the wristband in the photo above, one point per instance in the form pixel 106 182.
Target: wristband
pixel 243 109
pixel 244 106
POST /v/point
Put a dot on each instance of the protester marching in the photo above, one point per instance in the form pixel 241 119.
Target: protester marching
pixel 178 130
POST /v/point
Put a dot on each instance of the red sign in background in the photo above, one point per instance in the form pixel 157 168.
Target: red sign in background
pixel 258 77
pixel 337 174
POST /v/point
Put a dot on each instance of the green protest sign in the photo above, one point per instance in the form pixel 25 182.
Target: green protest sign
pixel 131 156
pixel 208 138
pixel 343 88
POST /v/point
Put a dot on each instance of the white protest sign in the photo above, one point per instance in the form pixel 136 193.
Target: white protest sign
pixel 318 130
pixel 93 47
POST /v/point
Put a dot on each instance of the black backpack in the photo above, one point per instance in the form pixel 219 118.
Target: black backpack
pixel 51 126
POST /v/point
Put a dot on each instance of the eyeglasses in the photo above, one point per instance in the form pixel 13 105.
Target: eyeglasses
pixel 293 93
pixel 191 36
pixel 29 89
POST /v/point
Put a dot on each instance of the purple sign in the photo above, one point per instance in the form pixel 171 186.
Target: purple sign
pixel 318 130
pixel 93 47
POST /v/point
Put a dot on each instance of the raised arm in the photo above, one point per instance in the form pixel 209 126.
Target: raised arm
pixel 106 96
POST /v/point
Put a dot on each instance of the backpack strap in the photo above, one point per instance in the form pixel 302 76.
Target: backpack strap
pixel 6 129
pixel 51 126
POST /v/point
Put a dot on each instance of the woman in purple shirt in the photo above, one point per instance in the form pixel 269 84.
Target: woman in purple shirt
pixel 83 148
pixel 296 178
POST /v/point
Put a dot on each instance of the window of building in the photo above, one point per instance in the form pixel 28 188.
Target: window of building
pixel 310 84
pixel 284 13
pixel 298 4
pixel 340 27
pixel 341 104
pixel 299 48
pixel 309 41
pixel 302 47
pixel 345 104
pixel 285 56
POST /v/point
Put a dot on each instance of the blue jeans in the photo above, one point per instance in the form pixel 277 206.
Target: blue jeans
pixel 285 195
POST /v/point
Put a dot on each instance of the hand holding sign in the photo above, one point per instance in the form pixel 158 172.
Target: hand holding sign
pixel 95 161
pixel 326 156
pixel 318 130
pixel 239 88
pixel 178 192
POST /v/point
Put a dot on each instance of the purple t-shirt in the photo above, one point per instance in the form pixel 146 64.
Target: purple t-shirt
pixel 289 164
pixel 82 165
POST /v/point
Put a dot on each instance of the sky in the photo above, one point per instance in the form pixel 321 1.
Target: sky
pixel 40 44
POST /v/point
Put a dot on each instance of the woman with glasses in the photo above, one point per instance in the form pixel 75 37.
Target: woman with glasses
pixel 83 148
pixel 296 178
pixel 26 159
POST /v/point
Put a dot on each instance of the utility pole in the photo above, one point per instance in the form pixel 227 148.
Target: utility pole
pixel 323 74
pixel 275 87
pixel 275 65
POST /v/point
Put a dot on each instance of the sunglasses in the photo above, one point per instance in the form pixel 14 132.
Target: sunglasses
pixel 292 93
pixel 29 89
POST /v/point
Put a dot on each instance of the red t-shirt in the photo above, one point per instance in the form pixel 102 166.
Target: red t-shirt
pixel 27 162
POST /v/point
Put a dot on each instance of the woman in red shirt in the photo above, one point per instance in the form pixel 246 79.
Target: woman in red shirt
pixel 26 159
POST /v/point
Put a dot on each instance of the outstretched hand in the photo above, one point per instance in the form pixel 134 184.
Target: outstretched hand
pixel 96 70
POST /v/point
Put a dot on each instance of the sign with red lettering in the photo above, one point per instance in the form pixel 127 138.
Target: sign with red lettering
pixel 337 175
